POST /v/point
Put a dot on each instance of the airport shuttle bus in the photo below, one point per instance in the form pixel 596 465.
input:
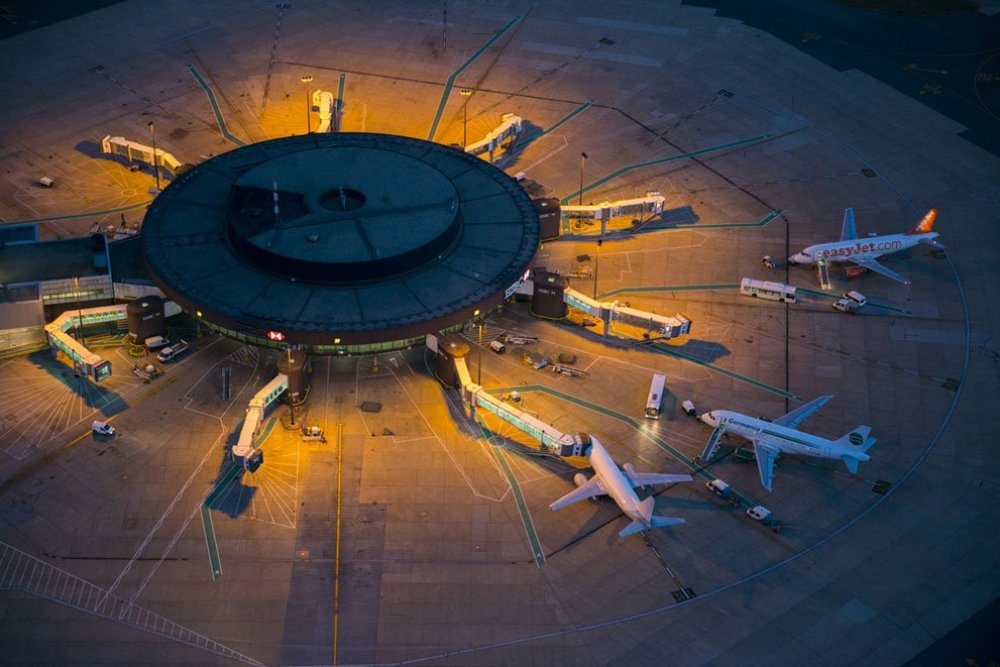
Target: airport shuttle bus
pixel 767 290
pixel 655 399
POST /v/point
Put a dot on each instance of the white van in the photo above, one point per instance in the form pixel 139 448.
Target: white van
pixel 856 297
pixel 103 428
pixel 154 343
pixel 498 347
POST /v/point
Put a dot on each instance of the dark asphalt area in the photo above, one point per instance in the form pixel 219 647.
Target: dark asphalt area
pixel 950 61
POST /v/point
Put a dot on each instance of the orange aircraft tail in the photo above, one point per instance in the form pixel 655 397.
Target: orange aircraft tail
pixel 926 223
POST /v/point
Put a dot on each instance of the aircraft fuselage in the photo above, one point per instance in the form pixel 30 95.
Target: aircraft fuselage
pixel 616 484
pixel 854 249
pixel 786 439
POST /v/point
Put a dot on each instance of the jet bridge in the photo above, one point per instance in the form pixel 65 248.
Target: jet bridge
pixel 325 103
pixel 135 152
pixel 553 441
pixel 503 136
pixel 245 449
pixel 610 312
pixel 57 333
pixel 651 204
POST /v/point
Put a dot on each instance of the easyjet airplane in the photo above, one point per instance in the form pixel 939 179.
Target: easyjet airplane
pixel 864 252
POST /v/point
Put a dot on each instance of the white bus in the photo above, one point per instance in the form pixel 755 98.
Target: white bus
pixel 655 399
pixel 767 290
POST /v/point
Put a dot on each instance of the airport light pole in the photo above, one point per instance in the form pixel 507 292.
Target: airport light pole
pixel 583 161
pixel 479 362
pixel 306 80
pixel 156 158
pixel 79 309
pixel 465 118
pixel 597 263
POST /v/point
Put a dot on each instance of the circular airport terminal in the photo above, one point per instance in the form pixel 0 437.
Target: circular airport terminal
pixel 345 243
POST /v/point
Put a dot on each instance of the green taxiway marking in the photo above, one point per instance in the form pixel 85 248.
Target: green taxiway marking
pixel 562 121
pixel 835 297
pixel 662 226
pixel 665 226
pixel 522 507
pixel 232 473
pixel 666 288
pixel 215 107
pixel 216 493
pixel 266 432
pixel 649 163
pixel 213 546
pixel 454 75
pixel 85 214
pixel 340 98
pixel 632 422
pixel 673 352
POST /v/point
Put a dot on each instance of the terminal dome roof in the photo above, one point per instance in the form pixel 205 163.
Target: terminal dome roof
pixel 377 237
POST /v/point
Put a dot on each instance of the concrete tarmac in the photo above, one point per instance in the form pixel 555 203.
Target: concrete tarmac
pixel 407 537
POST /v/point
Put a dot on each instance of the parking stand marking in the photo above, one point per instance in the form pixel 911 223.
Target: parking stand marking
pixel 522 506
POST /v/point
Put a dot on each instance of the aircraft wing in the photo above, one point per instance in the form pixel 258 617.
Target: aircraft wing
pixel 872 265
pixel 589 489
pixel 848 232
pixel 649 478
pixel 766 456
pixel 801 413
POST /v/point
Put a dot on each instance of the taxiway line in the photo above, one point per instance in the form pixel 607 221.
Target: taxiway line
pixel 650 163
pixel 454 75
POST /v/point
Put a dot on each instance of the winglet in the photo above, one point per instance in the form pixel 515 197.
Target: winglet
pixel 926 223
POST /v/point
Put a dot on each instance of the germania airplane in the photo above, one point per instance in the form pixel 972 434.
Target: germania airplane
pixel 864 252
pixel 771 438
pixel 609 480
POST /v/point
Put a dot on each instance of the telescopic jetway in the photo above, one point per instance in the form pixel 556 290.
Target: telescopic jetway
pixel 611 312
pixel 133 151
pixel 505 133
pixel 651 204
pixel 552 439
pixel 57 333
pixel 244 448
pixel 325 104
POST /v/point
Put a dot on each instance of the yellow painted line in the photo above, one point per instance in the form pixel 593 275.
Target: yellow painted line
pixel 336 558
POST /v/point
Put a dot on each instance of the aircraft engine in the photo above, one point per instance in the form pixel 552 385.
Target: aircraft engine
pixel 579 479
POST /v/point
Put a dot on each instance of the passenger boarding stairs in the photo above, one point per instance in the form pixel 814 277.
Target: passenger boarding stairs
pixel 712 444
pixel 823 273
pixel 23 572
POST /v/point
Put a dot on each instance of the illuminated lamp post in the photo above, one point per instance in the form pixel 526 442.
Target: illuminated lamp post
pixel 79 309
pixel 465 118
pixel 156 158
pixel 597 263
pixel 306 80
pixel 479 363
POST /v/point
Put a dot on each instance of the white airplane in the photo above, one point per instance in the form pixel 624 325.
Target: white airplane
pixel 771 438
pixel 864 252
pixel 609 480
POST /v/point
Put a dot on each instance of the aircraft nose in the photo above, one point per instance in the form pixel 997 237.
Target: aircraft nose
pixel 709 418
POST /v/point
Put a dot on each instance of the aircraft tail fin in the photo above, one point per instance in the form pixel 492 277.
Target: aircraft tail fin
pixel 926 223
pixel 859 440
